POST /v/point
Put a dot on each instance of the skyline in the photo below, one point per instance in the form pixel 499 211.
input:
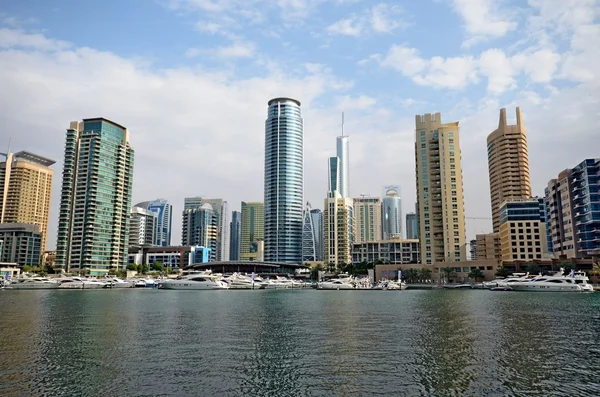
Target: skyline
pixel 178 107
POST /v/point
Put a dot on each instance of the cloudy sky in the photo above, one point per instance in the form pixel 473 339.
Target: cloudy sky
pixel 191 80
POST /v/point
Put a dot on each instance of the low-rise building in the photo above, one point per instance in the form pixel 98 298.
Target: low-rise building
pixel 394 251
pixel 20 243
pixel 487 246
pixel 523 230
pixel 460 269
pixel 172 257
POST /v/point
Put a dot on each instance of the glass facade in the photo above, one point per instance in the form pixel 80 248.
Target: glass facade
pixel 343 154
pixel 317 220
pixel 234 235
pixel 392 212
pixel 283 185
pixel 309 248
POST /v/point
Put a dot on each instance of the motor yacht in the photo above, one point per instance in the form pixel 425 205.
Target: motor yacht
pixel 510 280
pixel 144 283
pixel 552 283
pixel 336 284
pixel 396 285
pixel 193 281
pixel 33 283
pixel 282 282
pixel 76 282
pixel 116 282
pixel 241 281
pixel 582 279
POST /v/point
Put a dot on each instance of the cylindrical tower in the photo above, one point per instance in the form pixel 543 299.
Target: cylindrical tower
pixel 284 181
pixel 343 153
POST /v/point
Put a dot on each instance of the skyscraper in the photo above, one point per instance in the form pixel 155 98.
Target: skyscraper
pixel 412 226
pixel 439 190
pixel 317 219
pixel 508 163
pixel 338 229
pixel 392 212
pixel 283 181
pixel 201 228
pixel 334 174
pixel 221 207
pixel 253 230
pixel 309 241
pixel 343 153
pixel 367 213
pixel 25 189
pixel 234 235
pixel 143 227
pixel 164 212
pixel 93 226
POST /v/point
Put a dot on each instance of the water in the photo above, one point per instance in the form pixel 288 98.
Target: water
pixel 298 343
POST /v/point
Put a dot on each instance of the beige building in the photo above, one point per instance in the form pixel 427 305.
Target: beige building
pixel 440 197
pixel 487 246
pixel 25 188
pixel 508 163
pixel 523 230
pixel 338 231
pixel 394 251
pixel 461 270
pixel 367 217
pixel 252 231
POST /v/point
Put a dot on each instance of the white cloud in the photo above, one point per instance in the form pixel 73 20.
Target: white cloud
pixel 361 102
pixel 499 70
pixel 237 50
pixel 381 18
pixel 483 19
pixel 346 27
pixel 18 38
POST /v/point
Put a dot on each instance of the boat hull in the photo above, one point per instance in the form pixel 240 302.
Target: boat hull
pixel 33 286
pixel 190 285
pixel 532 287
pixel 77 285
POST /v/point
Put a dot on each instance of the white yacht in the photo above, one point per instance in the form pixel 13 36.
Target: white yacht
pixel 510 280
pixel 390 285
pixel 554 283
pixel 282 282
pixel 193 281
pixel 33 283
pixel 336 284
pixel 76 282
pixel 241 281
pixel 582 279
pixel 116 282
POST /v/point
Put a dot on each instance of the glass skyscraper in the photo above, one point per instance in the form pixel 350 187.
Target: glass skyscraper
pixel 392 212
pixel 283 181
pixel 234 235
pixel 93 226
pixel 164 211
pixel 343 153
pixel 309 241
pixel 317 219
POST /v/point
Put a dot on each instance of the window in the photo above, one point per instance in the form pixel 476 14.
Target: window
pixel 451 134
pixel 451 147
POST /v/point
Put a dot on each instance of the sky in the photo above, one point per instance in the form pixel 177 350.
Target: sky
pixel 191 79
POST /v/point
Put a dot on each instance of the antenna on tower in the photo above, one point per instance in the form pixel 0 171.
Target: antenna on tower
pixel 342 123
pixel 9 139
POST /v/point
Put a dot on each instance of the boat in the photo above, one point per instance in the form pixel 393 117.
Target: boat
pixel 193 281
pixel 458 286
pixel 390 285
pixel 336 284
pixel 144 283
pixel 282 282
pixel 515 278
pixel 241 281
pixel 553 283
pixel 582 279
pixel 77 282
pixel 116 282
pixel 33 283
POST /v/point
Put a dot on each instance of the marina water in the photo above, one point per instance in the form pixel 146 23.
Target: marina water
pixel 299 343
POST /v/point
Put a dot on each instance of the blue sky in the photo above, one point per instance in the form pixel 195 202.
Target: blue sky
pixel 191 79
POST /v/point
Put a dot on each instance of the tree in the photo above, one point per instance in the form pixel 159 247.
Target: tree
pixel 157 266
pixel 424 275
pixel 503 272
pixel 314 271
pixel 132 266
pixel 595 272
pixel 410 275
pixel 143 269
pixel 449 273
pixel 476 274
pixel 112 271
pixel 533 268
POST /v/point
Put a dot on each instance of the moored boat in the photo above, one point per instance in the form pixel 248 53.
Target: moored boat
pixel 76 282
pixel 33 283
pixel 336 284
pixel 193 281
pixel 555 283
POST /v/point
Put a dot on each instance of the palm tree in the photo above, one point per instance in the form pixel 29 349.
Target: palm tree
pixel 424 274
pixel 410 275
pixel 595 272
pixel 449 273
pixel 533 268
pixel 476 274
pixel 503 272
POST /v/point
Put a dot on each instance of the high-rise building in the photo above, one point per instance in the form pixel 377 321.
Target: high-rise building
pixel 317 219
pixel 25 190
pixel 392 212
pixel 473 250
pixel 235 227
pixel 343 153
pixel 20 243
pixel 367 215
pixel 573 207
pixel 523 230
pixel 487 246
pixel 221 207
pixel 201 228
pixel 338 229
pixel 508 162
pixel 143 227
pixel 309 241
pixel 334 174
pixel 412 226
pixel 164 212
pixel 283 181
pixel 253 230
pixel 93 226
pixel 439 190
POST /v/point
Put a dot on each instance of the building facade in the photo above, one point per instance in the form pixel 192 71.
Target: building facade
pixel 20 243
pixel 317 219
pixel 523 230
pixel 309 240
pixel 164 212
pixel 222 209
pixel 172 257
pixel 343 154
pixel 25 190
pixel 367 216
pixel 394 252
pixel 338 225
pixel 93 226
pixel 412 226
pixel 487 246
pixel 235 228
pixel 573 205
pixel 439 190
pixel 473 250
pixel 284 181
pixel 508 162
pixel 391 212
pixel 143 227
pixel 201 228
pixel 253 230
